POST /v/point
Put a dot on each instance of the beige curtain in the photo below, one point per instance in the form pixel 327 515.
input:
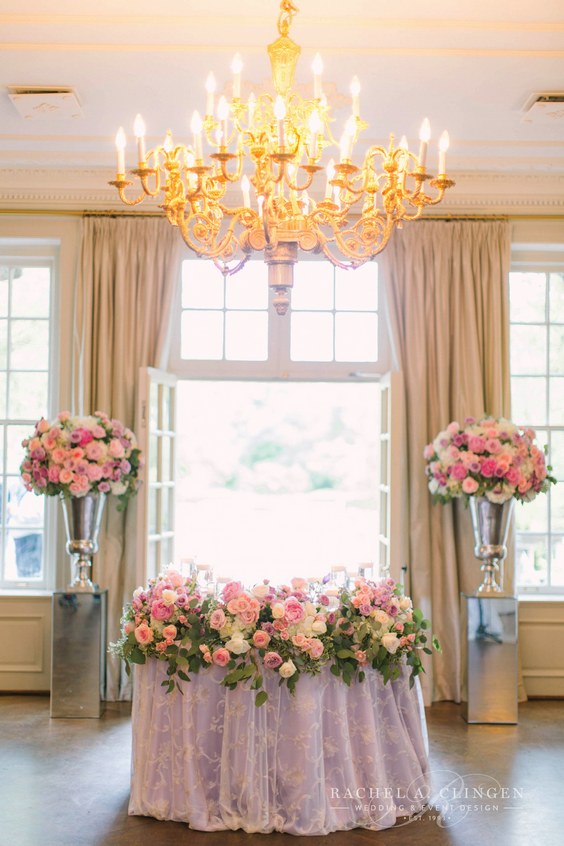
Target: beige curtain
pixel 447 304
pixel 125 289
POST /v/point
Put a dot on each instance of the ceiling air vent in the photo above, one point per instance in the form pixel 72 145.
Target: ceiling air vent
pixel 547 108
pixel 40 103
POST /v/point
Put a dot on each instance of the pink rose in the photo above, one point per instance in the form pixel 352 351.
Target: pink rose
pixel 103 487
pixel 293 610
pixel 261 639
pixel 459 472
pixel 315 648
pixel 272 660
pixel 360 656
pixel 231 591
pixel 129 627
pixel 469 485
pixel 221 657
pixel 63 416
pixel 169 632
pixel 143 634
pixel 488 467
pixel 476 443
pixel 116 449
pixel 94 451
pixel 42 426
pixel 300 640
pixel 161 611
pixel 217 619
pixel 428 452
pixel 53 474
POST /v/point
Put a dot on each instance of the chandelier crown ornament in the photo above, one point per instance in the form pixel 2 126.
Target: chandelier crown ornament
pixel 272 147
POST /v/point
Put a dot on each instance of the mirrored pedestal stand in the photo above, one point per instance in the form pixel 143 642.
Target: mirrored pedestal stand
pixel 78 669
pixel 489 659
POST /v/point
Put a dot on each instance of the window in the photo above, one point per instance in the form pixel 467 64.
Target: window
pixel 277 478
pixel 537 392
pixel 26 293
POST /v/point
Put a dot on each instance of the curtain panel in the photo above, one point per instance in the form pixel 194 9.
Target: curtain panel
pixel 447 305
pixel 125 290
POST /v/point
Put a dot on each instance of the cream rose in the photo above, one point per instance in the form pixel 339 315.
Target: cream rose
pixel 390 642
pixel 287 669
pixel 237 646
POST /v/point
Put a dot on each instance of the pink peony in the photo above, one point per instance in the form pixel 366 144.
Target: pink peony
pixel 293 610
pixel 315 648
pixel 161 611
pixel 116 449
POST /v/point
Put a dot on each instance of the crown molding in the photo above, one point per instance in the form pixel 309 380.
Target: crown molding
pixel 87 190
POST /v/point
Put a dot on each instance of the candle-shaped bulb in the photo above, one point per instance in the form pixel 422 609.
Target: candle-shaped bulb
pixel 210 91
pixel 444 142
pixel 355 91
pixel 236 68
pixel 424 135
pixel 245 187
pixel 425 131
pixel 168 142
pixel 120 146
pixel 317 68
pixel 139 132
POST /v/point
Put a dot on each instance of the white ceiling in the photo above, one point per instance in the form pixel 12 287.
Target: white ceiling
pixel 470 67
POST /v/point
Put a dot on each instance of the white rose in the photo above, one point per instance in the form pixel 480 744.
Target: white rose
pixel 137 592
pixel 169 597
pixel 287 669
pixel 118 488
pixel 277 610
pixel 319 627
pixel 310 609
pixel 433 486
pixel 381 617
pixel 260 591
pixel 390 642
pixel 237 646
pixel 405 603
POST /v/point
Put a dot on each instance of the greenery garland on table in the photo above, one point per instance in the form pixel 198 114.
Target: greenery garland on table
pixel 284 629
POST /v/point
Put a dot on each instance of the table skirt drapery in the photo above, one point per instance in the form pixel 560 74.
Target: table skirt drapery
pixel 329 758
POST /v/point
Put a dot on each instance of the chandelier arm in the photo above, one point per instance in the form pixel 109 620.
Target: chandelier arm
pixel 295 187
pixel 205 247
pixel 235 177
pixel 121 185
pixel 144 173
pixel 230 271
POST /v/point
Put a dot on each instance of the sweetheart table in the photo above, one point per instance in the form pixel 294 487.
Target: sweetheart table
pixel 328 758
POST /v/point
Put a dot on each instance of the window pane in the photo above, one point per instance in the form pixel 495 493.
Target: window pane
pixel 249 287
pixel 23 509
pixel 557 349
pixel 153 406
pixel 30 292
pixel 24 554
pixel 3 344
pixel 313 286
pixel 556 457
pixel 3 380
pixel 15 454
pixel 28 395
pixel 4 285
pixel 528 349
pixel 557 297
pixel 166 447
pixel 356 337
pixel 246 336
pixel 527 297
pixel 153 458
pixel 29 345
pixel 202 335
pixel 311 337
pixel 153 510
pixel 202 285
pixel 532 516
pixel 531 558
pixel 557 567
pixel 556 416
pixel 357 290
pixel 528 400
pixel 557 508
pixel 165 509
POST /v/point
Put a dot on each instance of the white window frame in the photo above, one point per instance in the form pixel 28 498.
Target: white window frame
pixel 278 365
pixel 539 248
pixel 39 252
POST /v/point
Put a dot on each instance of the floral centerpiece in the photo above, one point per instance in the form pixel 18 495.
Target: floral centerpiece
pixel 75 456
pixel 283 629
pixel 488 457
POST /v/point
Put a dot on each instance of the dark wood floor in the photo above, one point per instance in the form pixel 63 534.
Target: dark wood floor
pixel 66 783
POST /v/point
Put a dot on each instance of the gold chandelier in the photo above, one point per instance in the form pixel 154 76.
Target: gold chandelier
pixel 275 144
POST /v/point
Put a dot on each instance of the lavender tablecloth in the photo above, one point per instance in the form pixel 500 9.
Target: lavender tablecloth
pixel 330 758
